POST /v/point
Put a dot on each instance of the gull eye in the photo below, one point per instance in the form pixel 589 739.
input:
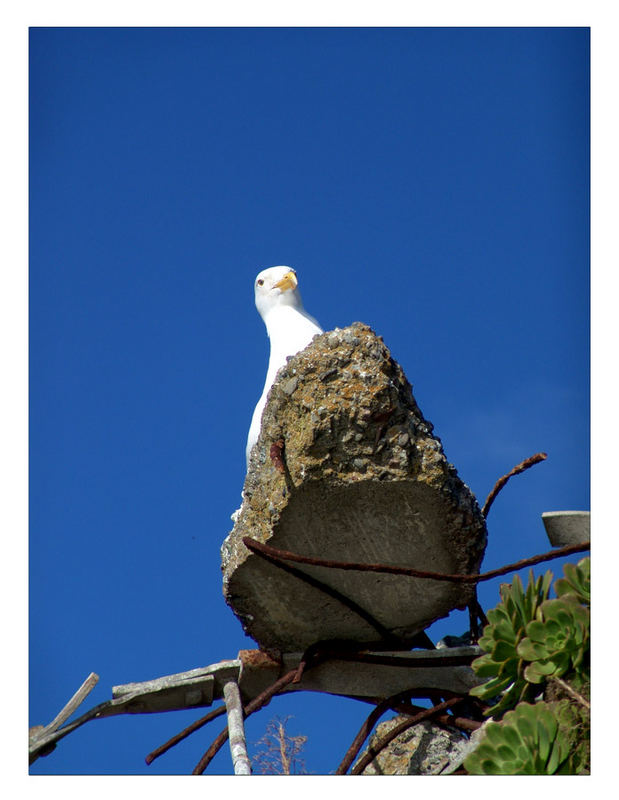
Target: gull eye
pixel 260 281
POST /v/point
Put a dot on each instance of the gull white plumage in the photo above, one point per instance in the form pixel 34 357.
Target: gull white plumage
pixel 289 327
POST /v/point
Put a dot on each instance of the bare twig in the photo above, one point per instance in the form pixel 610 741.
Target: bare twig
pixel 528 462
pixel 279 751
pixel 572 692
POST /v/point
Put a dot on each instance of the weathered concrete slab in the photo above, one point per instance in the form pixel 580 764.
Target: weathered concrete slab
pixel 371 678
pixel 367 481
pixel 368 679
pixel 567 527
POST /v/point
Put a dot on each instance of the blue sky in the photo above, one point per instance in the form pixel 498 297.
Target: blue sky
pixel 432 183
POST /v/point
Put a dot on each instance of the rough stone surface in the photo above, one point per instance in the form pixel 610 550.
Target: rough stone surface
pixel 424 749
pixel 367 481
pixel 473 743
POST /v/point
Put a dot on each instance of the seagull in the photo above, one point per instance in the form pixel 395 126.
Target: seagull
pixel 289 327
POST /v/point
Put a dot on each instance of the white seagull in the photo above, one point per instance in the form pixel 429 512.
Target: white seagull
pixel 289 327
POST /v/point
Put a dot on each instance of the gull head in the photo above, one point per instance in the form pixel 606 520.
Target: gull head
pixel 275 287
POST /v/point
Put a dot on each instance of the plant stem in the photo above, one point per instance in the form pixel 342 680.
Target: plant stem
pixel 572 692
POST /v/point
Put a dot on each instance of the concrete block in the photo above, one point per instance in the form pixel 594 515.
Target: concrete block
pixel 365 480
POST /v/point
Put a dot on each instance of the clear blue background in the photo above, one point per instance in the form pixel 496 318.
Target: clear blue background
pixel 433 183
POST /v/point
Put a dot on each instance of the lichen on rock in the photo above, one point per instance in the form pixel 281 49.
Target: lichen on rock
pixel 366 480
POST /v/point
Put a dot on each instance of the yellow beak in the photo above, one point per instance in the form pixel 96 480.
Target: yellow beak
pixel 289 281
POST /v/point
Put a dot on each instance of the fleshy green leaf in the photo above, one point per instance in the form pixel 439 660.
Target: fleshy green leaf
pixel 528 741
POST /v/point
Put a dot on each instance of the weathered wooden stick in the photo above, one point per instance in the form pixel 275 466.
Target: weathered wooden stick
pixel 236 729
pixel 74 703
pixel 40 740
pixel 168 693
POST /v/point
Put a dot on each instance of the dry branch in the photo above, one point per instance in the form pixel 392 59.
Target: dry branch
pixel 279 751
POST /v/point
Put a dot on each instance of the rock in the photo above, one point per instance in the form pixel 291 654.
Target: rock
pixel 364 480
pixel 423 749
pixel 473 743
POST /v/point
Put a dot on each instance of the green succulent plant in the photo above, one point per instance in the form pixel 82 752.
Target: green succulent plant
pixel 529 641
pixel 528 741
pixel 557 641
pixel 506 628
pixel 576 582
pixel 531 638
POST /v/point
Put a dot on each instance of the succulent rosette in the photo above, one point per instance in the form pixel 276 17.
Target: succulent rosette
pixel 557 641
pixel 576 582
pixel 528 741
pixel 502 663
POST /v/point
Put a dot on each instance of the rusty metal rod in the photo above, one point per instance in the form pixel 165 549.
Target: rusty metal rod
pixel 366 729
pixel 466 724
pixel 195 726
pixel 526 464
pixel 427 713
pixel 463 723
pixel 276 555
